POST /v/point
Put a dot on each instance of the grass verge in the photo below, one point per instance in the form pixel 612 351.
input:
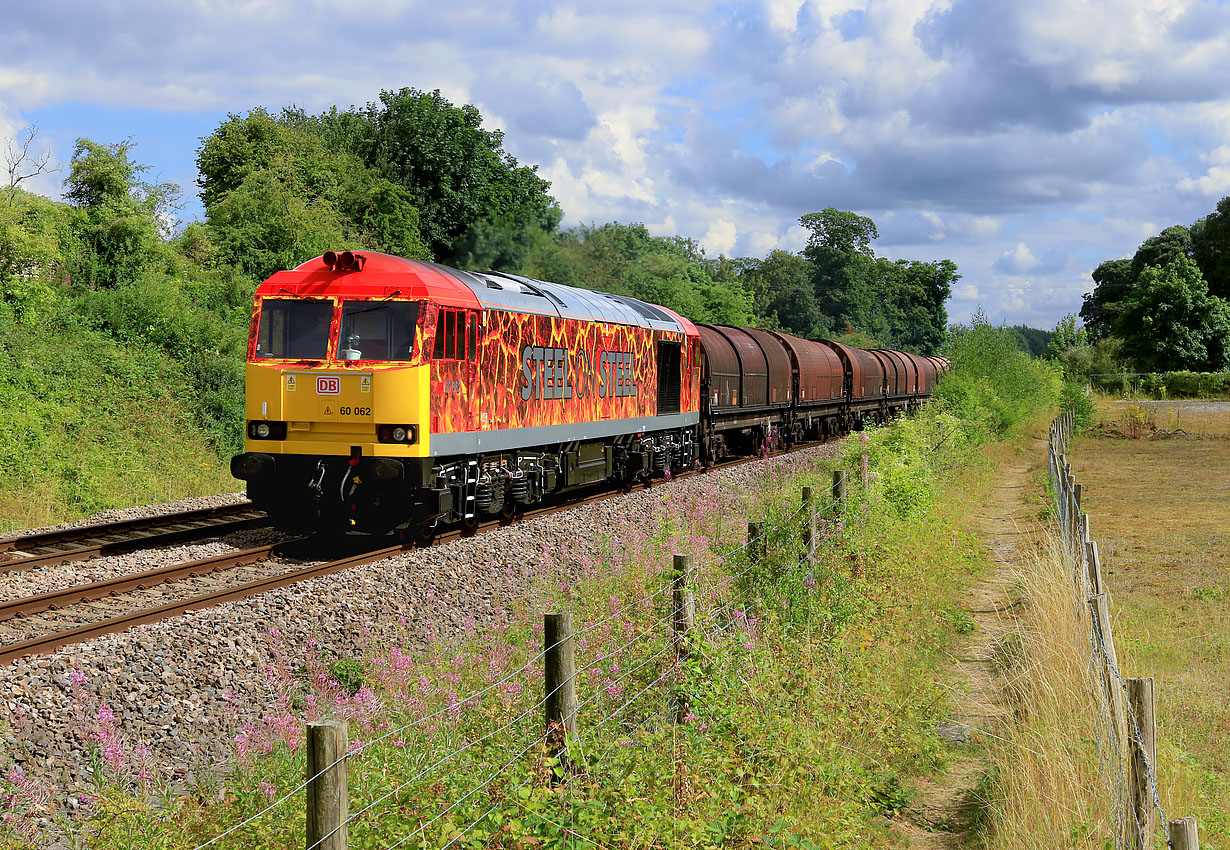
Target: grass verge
pixel 91 424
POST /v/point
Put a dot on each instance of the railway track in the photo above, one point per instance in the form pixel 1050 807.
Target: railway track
pixel 52 548
pixel 293 549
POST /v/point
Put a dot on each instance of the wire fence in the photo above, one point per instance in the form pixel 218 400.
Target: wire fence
pixel 1126 723
pixel 794 536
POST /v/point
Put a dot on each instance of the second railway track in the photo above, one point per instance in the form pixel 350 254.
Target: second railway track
pixel 65 546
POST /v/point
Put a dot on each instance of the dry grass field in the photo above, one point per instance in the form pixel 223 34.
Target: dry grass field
pixel 1160 509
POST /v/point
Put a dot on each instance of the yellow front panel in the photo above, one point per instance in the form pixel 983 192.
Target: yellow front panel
pixel 329 410
pixel 311 396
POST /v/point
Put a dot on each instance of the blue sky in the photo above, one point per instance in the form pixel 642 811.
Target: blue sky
pixel 1026 141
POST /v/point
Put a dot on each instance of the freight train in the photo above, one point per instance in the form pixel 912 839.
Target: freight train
pixel 386 393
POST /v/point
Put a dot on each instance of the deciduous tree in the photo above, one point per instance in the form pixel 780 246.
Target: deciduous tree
pixel 1170 321
pixel 124 217
pixel 1211 248
pixel 476 204
pixel 1112 280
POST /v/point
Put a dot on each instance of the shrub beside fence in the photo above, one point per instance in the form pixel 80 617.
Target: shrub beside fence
pixel 1164 384
pixel 1127 720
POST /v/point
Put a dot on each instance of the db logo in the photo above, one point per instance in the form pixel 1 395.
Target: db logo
pixel 328 386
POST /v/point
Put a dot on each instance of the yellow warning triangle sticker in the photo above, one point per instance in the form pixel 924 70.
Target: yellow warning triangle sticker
pixel 365 384
pixel 290 383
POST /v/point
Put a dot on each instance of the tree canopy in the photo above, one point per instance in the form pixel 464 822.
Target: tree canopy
pixel 1164 307
pixel 276 193
pixel 898 302
pixel 122 217
pixel 1211 248
pixel 1170 321
pixel 477 206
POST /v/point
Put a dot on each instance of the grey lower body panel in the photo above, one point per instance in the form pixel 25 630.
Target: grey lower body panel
pixel 485 442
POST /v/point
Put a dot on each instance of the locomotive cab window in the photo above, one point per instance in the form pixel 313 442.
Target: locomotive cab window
pixel 451 335
pixel 377 330
pixel 294 329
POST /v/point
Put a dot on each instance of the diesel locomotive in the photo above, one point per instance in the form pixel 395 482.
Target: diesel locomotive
pixel 387 393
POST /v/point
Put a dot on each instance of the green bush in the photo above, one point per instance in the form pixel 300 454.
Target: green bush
pixel 1114 384
pixel 92 423
pixel 208 344
pixel 1073 397
pixel 1188 385
pixel 991 381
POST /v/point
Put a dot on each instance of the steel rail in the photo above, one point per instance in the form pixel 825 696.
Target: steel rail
pixel 81 532
pixel 195 528
pixel 138 581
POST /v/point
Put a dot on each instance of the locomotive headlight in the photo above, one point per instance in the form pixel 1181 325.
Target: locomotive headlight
pixel 395 433
pixel 267 430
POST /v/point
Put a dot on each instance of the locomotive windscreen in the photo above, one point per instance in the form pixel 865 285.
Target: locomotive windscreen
pixel 377 330
pixel 297 330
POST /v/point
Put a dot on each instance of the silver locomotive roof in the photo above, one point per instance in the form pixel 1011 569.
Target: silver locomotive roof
pixel 517 294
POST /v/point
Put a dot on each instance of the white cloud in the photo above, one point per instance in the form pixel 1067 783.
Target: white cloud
pixel 783 14
pixel 1215 182
pixel 1018 259
pixel 720 238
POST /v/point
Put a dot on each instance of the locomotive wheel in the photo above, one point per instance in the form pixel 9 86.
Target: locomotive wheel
pixel 509 511
pixel 421 534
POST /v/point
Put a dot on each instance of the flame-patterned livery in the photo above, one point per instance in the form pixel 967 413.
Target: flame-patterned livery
pixel 384 392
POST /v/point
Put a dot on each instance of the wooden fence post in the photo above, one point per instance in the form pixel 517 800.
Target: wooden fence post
pixel 1110 665
pixel 684 623
pixel 1184 834
pixel 809 529
pixel 754 543
pixel 839 489
pixel 328 799
pixel 1143 750
pixel 1077 540
pixel 559 681
pixel 1095 568
pixel 1065 503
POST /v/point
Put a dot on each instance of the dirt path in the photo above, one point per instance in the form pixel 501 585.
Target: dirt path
pixel 943 805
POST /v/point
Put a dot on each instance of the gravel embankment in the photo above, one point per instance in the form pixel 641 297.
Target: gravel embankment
pixel 184 686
